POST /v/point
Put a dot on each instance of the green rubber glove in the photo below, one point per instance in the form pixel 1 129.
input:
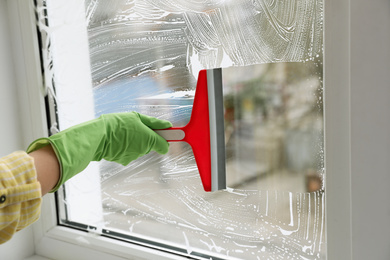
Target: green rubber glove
pixel 118 137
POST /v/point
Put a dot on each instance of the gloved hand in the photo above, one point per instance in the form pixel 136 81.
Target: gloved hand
pixel 118 137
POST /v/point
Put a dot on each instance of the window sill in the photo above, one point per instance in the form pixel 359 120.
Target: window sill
pixel 36 257
pixel 66 243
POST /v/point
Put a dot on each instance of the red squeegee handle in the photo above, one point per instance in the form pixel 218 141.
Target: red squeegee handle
pixel 173 134
pixel 197 131
pixel 200 145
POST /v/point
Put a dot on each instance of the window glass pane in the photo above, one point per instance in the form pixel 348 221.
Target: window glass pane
pixel 145 56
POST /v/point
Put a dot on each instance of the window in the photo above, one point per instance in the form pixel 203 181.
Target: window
pixel 114 56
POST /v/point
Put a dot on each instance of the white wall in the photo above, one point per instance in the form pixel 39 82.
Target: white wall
pixel 357 100
pixel 9 114
pixel 21 245
pixel 370 128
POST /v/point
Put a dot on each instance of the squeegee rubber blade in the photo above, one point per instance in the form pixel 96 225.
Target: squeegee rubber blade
pixel 217 129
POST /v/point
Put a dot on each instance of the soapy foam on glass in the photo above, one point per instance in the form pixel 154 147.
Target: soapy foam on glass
pixel 145 56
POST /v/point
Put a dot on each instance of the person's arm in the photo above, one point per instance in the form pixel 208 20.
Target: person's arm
pixel 20 194
pixel 117 137
pixel 49 162
pixel 47 168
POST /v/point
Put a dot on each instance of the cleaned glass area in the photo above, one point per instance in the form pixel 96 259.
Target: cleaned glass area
pixel 145 56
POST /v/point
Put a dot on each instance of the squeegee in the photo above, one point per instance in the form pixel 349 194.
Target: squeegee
pixel 205 130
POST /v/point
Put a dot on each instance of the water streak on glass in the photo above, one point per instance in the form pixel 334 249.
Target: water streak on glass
pixel 145 56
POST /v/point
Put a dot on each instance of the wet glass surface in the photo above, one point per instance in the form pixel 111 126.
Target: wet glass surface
pixel 145 56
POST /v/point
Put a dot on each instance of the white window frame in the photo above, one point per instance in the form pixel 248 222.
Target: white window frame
pixel 355 179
